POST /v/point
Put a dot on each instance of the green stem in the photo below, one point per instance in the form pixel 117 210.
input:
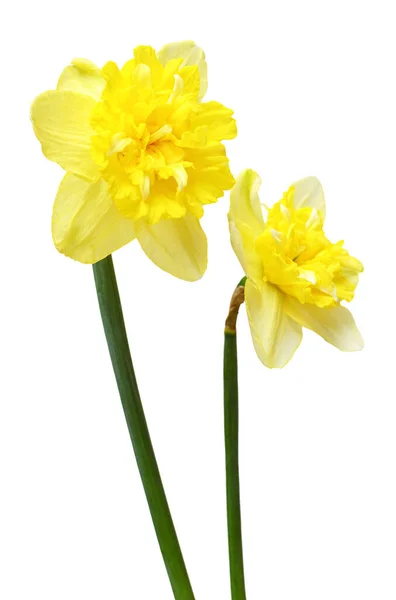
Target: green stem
pixel 231 449
pixel 114 327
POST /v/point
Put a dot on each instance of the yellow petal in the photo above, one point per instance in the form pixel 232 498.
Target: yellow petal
pixel 86 225
pixel 192 55
pixel 246 222
pixel 61 123
pixel 84 77
pixel 336 324
pixel 245 202
pixel 146 55
pixel 309 192
pixel 275 335
pixel 215 120
pixel 178 246
pixel 209 177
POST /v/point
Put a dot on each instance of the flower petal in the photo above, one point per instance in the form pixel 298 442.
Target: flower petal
pixel 208 179
pixel 86 225
pixel 61 123
pixel 245 202
pixel 275 335
pixel 309 192
pixel 336 324
pixel 246 222
pixel 192 55
pixel 84 77
pixel 178 246
pixel 212 122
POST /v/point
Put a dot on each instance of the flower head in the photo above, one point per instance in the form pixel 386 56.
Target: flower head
pixel 143 155
pixel 295 276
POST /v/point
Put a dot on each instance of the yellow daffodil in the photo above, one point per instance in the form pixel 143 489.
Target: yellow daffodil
pixel 295 276
pixel 143 155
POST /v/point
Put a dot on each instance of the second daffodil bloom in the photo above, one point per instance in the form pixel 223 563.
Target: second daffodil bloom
pixel 295 276
pixel 143 155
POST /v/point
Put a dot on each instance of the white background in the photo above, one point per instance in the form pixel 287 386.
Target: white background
pixel 312 84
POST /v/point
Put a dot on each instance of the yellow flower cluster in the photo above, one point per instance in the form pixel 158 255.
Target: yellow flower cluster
pixel 143 155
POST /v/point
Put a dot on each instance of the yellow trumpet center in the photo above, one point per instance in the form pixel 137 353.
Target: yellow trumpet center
pixel 299 259
pixel 151 134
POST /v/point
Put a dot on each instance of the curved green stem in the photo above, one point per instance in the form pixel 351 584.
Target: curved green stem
pixel 231 448
pixel 114 327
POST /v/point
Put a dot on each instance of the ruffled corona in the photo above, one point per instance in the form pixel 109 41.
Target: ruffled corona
pixel 157 146
pixel 295 276
pixel 143 155
pixel 299 259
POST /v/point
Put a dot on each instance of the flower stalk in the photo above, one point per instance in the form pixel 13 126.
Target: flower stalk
pixel 235 549
pixel 114 327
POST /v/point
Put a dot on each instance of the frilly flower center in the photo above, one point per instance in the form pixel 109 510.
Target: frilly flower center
pixel 150 130
pixel 299 259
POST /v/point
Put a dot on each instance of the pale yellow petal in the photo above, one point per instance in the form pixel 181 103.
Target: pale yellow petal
pixel 192 55
pixel 275 335
pixel 246 222
pixel 178 246
pixel 86 225
pixel 336 325
pixel 84 77
pixel 61 121
pixel 309 192
pixel 245 202
pixel 243 245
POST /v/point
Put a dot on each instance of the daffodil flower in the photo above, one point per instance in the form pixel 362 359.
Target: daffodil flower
pixel 295 276
pixel 142 154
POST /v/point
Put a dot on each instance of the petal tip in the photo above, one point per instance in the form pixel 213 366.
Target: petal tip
pixel 355 344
